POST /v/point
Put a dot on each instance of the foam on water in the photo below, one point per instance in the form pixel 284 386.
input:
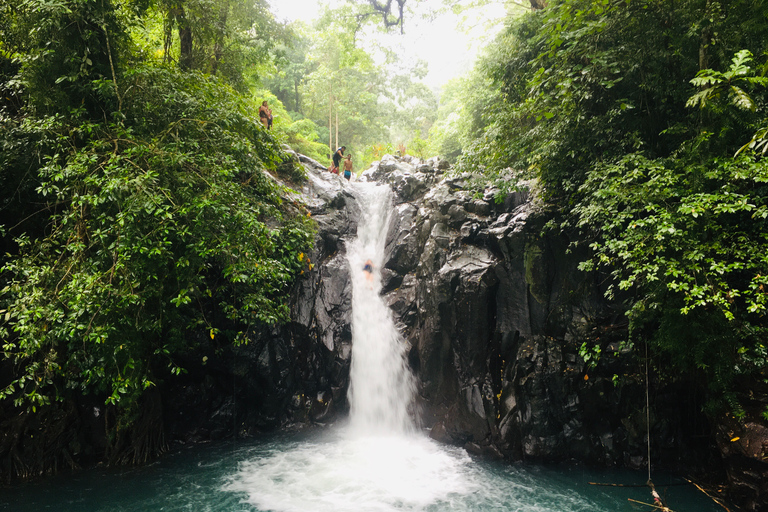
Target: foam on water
pixel 355 473
pixel 346 472
pixel 378 462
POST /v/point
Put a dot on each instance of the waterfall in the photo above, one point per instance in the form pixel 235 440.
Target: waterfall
pixel 381 386
pixel 379 462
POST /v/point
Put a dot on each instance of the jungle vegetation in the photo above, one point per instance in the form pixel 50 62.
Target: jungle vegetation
pixel 137 203
pixel 644 123
pixel 142 206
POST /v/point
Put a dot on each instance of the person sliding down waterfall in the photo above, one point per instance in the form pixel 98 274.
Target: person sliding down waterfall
pixel 368 269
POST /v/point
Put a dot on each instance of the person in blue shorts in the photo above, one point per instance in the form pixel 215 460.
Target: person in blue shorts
pixel 348 167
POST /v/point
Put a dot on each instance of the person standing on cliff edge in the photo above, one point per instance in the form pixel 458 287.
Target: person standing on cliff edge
pixel 265 115
pixel 348 167
pixel 337 156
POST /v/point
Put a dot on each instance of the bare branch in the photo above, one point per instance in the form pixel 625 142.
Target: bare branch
pixel 385 10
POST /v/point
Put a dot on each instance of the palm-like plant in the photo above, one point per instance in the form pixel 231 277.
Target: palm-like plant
pixel 731 83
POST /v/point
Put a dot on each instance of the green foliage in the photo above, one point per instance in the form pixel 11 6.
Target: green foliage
pixel 692 240
pixel 377 151
pixel 301 135
pixel 223 38
pixel 159 224
pixel 344 84
pixel 590 355
pixel 326 74
pixel 596 104
pixel 136 210
pixel 292 65
pixel 63 46
pixel 714 84
pixel 418 147
pixel 758 144
pixel 449 133
pixel 697 230
pixel 410 106
pixel 590 81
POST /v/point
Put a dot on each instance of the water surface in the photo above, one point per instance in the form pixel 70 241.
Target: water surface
pixel 326 471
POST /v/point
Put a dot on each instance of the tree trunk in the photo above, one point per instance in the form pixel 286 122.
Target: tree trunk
pixel 185 37
pixel 298 97
pixel 218 47
pixel 330 121
pixel 705 38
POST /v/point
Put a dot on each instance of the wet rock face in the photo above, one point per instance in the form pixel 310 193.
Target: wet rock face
pixel 744 447
pixel 320 334
pixel 499 320
pixel 296 373
pixel 495 312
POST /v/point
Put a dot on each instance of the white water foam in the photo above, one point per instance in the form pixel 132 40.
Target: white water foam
pixel 354 474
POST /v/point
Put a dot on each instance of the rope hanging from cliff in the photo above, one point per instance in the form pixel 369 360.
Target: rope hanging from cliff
pixel 657 502
pixel 648 414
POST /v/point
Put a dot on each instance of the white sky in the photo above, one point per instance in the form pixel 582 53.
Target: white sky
pixel 448 50
pixel 304 10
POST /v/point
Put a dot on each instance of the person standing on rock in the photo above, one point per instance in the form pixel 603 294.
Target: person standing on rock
pixel 337 156
pixel 348 167
pixel 265 115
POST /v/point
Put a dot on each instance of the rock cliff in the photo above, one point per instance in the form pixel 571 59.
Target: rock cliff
pixel 516 353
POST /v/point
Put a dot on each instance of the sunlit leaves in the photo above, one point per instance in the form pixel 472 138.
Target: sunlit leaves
pixel 688 238
pixel 758 144
pixel 708 245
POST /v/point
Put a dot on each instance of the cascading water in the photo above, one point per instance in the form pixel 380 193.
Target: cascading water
pixel 379 461
pixel 381 386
